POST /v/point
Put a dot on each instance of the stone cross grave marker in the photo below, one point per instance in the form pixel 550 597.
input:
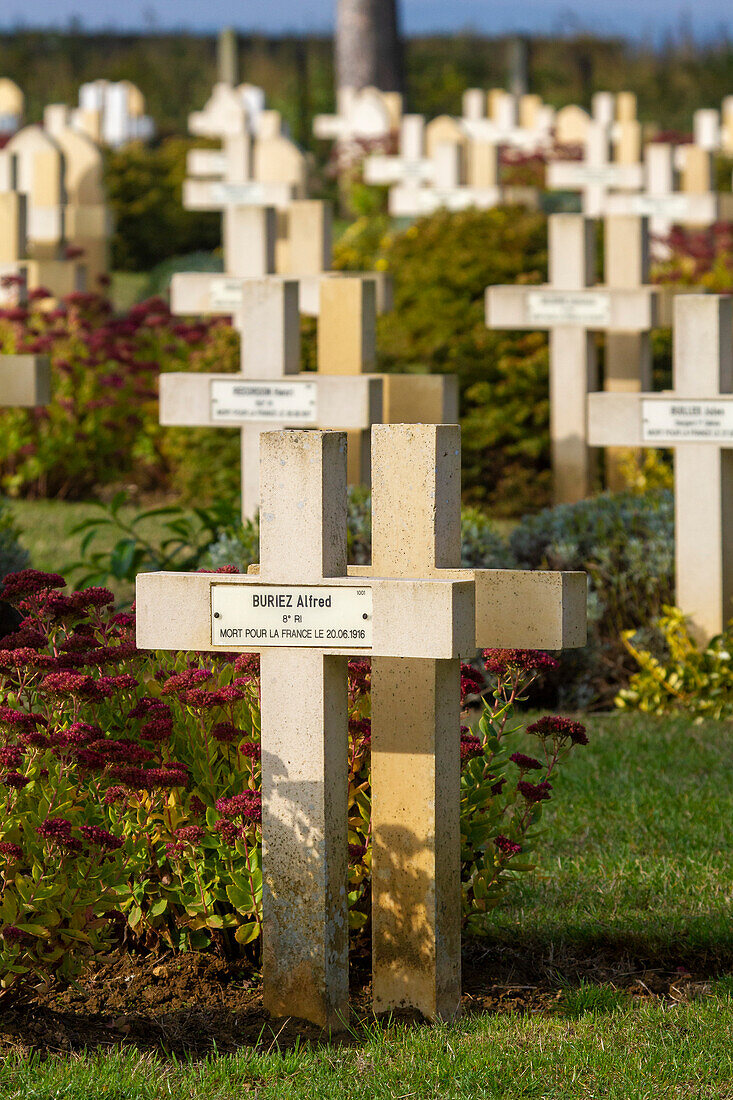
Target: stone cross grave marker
pixel 416 533
pixel 252 247
pixel 597 174
pixel 305 734
pixel 12 106
pixel 347 339
pixel 628 355
pixel 411 165
pixel 269 391
pixel 696 420
pixel 694 204
pixel 573 309
pixel 25 381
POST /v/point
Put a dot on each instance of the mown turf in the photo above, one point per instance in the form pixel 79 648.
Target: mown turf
pixel 645 1052
pixel 636 863
pixel 635 881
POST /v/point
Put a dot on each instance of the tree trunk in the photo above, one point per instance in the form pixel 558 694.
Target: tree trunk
pixel 368 47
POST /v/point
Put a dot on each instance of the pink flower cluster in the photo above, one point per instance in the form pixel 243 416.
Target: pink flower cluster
pixel 559 729
pixel 247 806
pixel 503 661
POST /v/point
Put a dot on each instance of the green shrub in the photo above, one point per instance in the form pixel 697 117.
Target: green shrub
pixel 625 543
pixel 441 267
pixel 12 555
pixel 144 191
pixel 101 426
pixel 687 677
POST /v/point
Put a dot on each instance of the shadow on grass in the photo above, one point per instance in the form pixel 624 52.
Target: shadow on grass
pixel 197 1006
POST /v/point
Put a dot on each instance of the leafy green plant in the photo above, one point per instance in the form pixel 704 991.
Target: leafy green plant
pixel 132 787
pixel 688 677
pixel 13 556
pixel 625 542
pixel 188 538
pixel 441 267
pixel 502 794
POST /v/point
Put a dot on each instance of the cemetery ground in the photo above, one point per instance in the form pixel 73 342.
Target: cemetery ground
pixel 604 971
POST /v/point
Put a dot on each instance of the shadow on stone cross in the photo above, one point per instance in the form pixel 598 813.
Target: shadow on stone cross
pixel 415 614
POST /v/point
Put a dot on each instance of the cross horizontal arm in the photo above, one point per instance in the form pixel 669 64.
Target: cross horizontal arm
pixel 681 206
pixel 308 400
pixel 570 175
pixel 381 170
pixel 522 609
pixel 410 618
pixel 614 419
pixel 203 293
pixel 25 381
pixel 593 308
pixel 659 420
pixel 202 194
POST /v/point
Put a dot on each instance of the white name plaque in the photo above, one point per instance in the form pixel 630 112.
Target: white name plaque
pixel 660 206
pixel 307 616
pixel 239 401
pixel 681 421
pixel 225 294
pixel 238 194
pixel 566 307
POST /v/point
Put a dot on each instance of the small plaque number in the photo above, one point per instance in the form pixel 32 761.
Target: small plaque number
pixel 680 421
pixel 304 616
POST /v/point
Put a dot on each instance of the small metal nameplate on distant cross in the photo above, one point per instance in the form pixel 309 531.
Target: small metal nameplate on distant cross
pixel 308 616
pixel 679 421
pixel 660 206
pixel 226 294
pixel 560 307
pixel 237 193
pixel 242 402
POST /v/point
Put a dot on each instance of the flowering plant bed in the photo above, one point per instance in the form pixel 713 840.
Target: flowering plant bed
pixel 132 788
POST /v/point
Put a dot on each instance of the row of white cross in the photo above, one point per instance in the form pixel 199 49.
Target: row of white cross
pixel 415 612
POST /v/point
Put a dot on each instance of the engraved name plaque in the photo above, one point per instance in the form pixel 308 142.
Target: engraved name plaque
pixel 557 307
pixel 681 421
pixel 306 616
pixel 240 401
pixel 226 294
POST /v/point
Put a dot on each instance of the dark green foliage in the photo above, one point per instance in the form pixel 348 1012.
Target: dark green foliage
pixel 176 71
pixel 626 545
pixel 12 555
pixel 442 266
pixel 186 538
pixel 144 188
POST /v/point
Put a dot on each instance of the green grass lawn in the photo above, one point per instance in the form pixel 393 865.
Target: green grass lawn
pixel 635 882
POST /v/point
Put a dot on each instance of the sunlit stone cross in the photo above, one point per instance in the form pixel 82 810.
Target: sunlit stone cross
pixel 696 419
pixel 260 240
pixel 595 176
pixel 347 337
pixel 25 381
pixel 304 616
pixel 573 309
pixel 416 532
pixel 267 392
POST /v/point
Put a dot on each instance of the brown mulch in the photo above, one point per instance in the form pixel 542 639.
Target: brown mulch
pixel 197 1003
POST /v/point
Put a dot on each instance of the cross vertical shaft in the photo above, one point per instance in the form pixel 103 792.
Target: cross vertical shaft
pixel 304 741
pixel 628 362
pixel 415 737
pixel 573 362
pixel 703 368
